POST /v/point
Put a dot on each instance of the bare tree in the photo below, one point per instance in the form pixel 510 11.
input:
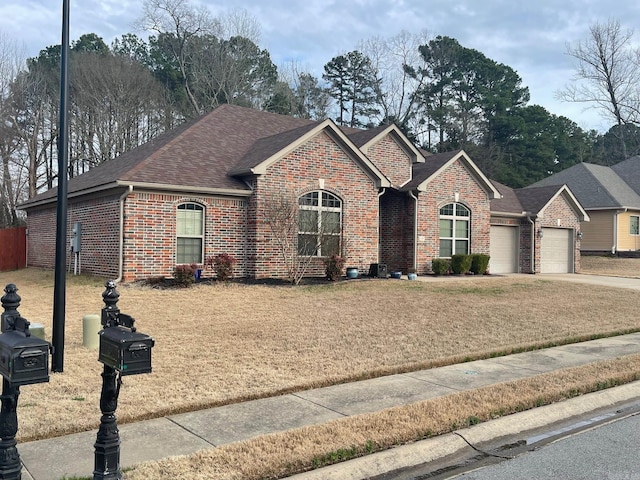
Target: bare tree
pixel 117 105
pixel 298 250
pixel 11 63
pixel 607 74
pixel 179 22
pixel 392 60
pixel 240 23
pixel 34 116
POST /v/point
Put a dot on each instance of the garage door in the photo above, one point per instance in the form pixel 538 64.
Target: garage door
pixel 555 250
pixel 504 249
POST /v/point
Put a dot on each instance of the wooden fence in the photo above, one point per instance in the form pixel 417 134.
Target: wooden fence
pixel 13 248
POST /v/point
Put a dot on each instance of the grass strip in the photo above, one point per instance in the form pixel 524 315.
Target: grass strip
pixel 283 454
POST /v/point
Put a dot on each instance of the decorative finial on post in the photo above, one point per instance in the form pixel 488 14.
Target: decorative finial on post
pixel 110 298
pixel 10 302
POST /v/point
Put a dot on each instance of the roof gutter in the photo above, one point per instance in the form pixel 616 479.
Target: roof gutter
pixel 185 188
pixel 121 239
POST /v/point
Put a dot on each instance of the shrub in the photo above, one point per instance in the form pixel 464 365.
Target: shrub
pixel 222 264
pixel 460 263
pixel 184 275
pixel 333 267
pixel 479 263
pixel 440 266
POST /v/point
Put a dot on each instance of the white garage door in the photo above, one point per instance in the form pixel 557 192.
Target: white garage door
pixel 504 249
pixel 555 250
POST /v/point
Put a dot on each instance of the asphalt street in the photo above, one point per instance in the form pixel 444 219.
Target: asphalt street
pixel 605 452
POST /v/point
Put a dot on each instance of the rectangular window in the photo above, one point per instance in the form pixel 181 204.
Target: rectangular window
pixel 446 249
pixel 634 225
pixel 189 250
pixel 446 228
pixel 462 247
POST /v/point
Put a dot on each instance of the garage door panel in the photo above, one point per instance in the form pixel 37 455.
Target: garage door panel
pixel 504 249
pixel 556 250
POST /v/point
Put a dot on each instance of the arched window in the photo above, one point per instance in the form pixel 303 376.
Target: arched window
pixel 319 224
pixel 190 233
pixel 455 219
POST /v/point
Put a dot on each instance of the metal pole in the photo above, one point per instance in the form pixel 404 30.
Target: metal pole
pixel 107 446
pixel 59 288
pixel 10 465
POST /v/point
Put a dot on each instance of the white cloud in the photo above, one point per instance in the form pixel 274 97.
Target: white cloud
pixel 528 36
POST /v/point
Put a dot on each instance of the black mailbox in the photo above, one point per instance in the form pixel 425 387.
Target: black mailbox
pixel 23 359
pixel 125 350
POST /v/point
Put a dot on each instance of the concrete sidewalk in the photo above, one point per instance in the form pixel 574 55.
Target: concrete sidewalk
pixel 73 455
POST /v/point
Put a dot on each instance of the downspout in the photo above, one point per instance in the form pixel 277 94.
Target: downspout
pixel 614 247
pixel 415 231
pixel 533 244
pixel 382 192
pixel 121 240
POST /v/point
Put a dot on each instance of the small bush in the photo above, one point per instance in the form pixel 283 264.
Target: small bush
pixel 222 264
pixel 460 263
pixel 479 263
pixel 184 275
pixel 440 266
pixel 334 266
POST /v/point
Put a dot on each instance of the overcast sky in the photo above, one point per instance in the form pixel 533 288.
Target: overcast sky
pixel 528 35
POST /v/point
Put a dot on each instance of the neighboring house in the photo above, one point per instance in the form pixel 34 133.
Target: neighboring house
pixel 611 196
pixel 207 187
pixel 542 220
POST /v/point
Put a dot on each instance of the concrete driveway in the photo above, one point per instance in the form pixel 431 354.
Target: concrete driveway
pixel 618 282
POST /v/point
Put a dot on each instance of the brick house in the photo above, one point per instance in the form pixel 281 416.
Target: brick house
pixel 542 220
pixel 208 186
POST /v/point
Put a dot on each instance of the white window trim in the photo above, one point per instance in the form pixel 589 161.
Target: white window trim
pixel 200 236
pixel 638 224
pixel 455 218
pixel 320 209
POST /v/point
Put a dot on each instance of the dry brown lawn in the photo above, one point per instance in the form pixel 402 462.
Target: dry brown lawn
pixel 621 267
pixel 283 454
pixel 217 344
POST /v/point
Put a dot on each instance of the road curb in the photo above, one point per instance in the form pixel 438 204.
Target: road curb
pixel 430 450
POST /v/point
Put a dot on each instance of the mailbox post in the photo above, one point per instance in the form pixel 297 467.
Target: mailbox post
pixel 123 351
pixel 24 360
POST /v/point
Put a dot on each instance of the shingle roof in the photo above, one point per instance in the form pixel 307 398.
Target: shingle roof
pixel 509 203
pixel 209 149
pixel 527 201
pixel 536 198
pixel 361 137
pixel 629 171
pixel 432 163
pixel 596 186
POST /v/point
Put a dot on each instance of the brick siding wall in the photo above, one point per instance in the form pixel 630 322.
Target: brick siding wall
pixel 319 164
pixel 396 231
pixel 99 241
pixel 150 232
pixel 391 160
pixel 560 214
pixel 441 191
